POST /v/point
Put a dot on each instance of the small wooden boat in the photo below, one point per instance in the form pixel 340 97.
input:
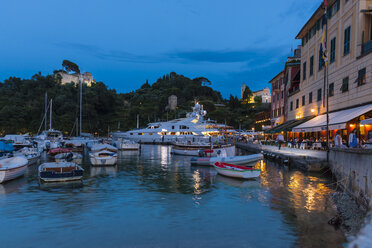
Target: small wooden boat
pixel 103 158
pixel 12 167
pixel 69 157
pixel 56 151
pixel 60 172
pixel 237 171
pixel 237 160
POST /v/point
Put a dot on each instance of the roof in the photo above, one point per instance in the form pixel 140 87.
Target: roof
pixel 337 120
pixel 316 15
pixel 282 72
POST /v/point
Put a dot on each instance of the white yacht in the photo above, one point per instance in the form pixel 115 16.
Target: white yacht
pixel 49 139
pixel 194 128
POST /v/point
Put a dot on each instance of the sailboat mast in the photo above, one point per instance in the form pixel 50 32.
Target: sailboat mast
pixel 46 110
pixel 50 117
pixel 81 102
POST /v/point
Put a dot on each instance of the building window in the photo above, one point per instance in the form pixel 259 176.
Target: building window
pixel 332 10
pixel 319 98
pixel 310 97
pixel 345 85
pixel 333 50
pixel 277 97
pixel 283 111
pixel 303 100
pixel 311 65
pixel 331 89
pixel 297 103
pixel 347 41
pixel 304 71
pixel 282 94
pixel 361 77
pixel 318 25
pixel 279 111
pixel 291 106
pixel 321 62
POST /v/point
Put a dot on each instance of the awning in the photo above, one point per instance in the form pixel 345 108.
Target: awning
pixel 280 127
pixel 337 120
pixel 366 122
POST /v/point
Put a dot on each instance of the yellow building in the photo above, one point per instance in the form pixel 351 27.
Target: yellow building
pixel 349 44
pixel 264 94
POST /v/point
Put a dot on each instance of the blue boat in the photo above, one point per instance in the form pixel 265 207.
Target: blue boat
pixel 60 172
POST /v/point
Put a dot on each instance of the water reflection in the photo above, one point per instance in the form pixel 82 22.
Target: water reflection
pixel 103 170
pixel 154 193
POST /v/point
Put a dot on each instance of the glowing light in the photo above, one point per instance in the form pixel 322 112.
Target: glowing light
pixel 312 110
pixel 351 125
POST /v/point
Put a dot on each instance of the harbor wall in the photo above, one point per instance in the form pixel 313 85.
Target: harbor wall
pixel 353 171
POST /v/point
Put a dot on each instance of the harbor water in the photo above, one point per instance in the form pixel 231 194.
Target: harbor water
pixel 155 199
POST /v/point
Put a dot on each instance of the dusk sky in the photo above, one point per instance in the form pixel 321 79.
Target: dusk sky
pixel 124 42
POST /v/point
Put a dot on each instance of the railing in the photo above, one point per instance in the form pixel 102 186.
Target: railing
pixel 294 89
pixel 367 47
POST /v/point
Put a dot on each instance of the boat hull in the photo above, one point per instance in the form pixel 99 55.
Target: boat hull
pixel 103 161
pixel 238 160
pixel 9 174
pixel 236 171
pixel 230 151
pixel 57 172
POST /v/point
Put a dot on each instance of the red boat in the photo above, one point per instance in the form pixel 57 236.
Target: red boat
pixel 56 151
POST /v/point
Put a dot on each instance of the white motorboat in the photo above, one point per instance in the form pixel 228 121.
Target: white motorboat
pixel 237 160
pixel 229 150
pixel 60 172
pixel 236 171
pixel 103 158
pixel 69 157
pixel 31 153
pixel 124 144
pixel 12 167
pixel 18 141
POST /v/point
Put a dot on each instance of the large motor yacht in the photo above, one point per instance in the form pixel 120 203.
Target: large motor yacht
pixel 194 128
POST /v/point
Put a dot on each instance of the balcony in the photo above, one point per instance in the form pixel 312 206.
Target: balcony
pixel 294 89
pixel 367 47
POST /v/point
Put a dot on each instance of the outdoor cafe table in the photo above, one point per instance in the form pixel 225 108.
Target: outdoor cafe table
pixel 317 145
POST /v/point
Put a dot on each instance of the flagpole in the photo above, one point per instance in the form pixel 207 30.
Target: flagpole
pixel 326 79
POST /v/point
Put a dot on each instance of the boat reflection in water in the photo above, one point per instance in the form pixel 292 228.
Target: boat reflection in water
pixel 103 170
pixel 12 186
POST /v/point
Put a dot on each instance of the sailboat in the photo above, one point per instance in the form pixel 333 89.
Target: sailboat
pixel 49 139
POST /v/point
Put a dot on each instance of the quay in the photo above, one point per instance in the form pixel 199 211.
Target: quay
pixel 306 160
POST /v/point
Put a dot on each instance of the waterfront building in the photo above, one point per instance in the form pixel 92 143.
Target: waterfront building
pixel 65 77
pixel 349 45
pixel 262 121
pixel 278 101
pixel 264 94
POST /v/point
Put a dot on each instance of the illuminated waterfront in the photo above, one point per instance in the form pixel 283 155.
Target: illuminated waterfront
pixel 154 199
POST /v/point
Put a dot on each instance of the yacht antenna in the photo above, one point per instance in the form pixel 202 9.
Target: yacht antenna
pixel 50 117
pixel 46 110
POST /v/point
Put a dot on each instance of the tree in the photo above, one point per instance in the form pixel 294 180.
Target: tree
pixel 70 66
pixel 258 99
pixel 202 80
pixel 247 93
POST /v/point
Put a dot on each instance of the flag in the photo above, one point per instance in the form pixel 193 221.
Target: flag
pixel 325 3
pixel 323 44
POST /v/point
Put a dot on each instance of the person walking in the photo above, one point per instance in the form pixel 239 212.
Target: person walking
pixel 280 140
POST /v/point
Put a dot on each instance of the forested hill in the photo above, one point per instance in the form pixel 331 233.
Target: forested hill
pixel 22 104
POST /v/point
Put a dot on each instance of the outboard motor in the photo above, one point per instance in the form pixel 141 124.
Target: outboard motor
pixel 69 157
pixel 201 153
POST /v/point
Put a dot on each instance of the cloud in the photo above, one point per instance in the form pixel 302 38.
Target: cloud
pixel 111 55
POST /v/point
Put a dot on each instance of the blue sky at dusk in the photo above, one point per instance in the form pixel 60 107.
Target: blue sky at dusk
pixel 125 42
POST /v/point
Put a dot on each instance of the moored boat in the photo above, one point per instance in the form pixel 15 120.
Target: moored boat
pixel 124 144
pixel 12 167
pixel 236 171
pixel 56 151
pixel 60 172
pixel 103 158
pixel 69 157
pixel 30 153
pixel 229 150
pixel 237 160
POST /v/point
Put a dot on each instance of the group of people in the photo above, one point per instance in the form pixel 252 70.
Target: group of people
pixel 353 141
